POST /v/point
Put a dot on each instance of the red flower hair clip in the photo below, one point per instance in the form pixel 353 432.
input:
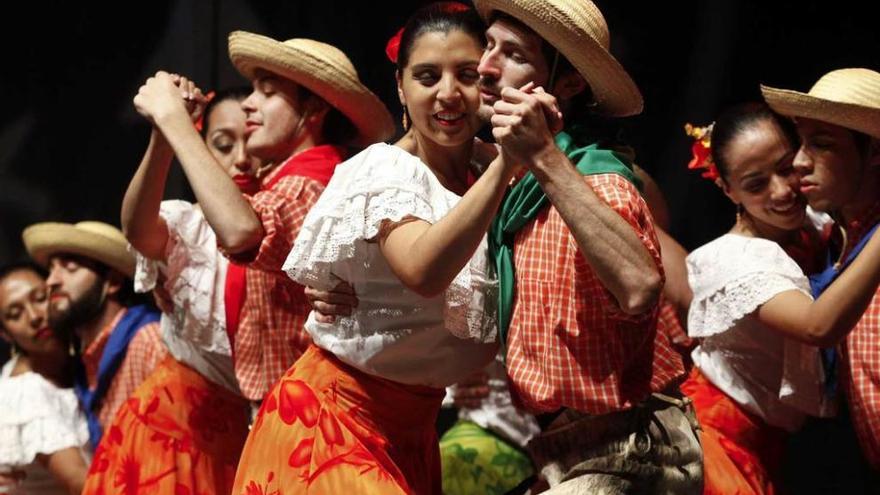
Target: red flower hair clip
pixel 702 151
pixel 392 48
pixel 201 120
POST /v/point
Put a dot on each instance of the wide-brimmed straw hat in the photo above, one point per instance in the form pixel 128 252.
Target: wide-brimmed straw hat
pixel 321 68
pixel 578 30
pixel 846 97
pixel 97 241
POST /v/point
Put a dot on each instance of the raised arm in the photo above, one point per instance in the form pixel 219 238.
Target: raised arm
pixel 610 245
pixel 231 217
pixel 141 223
pixel 427 257
pixel 828 319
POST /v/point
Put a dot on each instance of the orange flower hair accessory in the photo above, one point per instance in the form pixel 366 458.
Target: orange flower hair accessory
pixel 702 151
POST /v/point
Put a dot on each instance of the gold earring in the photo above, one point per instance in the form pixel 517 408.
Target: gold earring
pixel 405 120
pixel 739 212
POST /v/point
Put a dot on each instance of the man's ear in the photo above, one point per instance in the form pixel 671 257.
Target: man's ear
pixel 113 282
pixel 569 85
pixel 874 152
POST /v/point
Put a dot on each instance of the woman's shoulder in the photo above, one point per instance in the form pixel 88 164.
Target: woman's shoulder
pixel 381 170
pixel 36 417
pixel 28 395
pixel 382 160
pixel 732 257
pixel 735 248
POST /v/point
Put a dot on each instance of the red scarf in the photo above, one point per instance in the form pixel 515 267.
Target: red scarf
pixel 316 163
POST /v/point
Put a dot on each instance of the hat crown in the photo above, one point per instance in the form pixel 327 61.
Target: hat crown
pixel 103 229
pixel 854 86
pixel 328 52
pixel 587 17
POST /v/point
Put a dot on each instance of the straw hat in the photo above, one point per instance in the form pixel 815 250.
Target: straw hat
pixel 321 68
pixel 94 240
pixel 847 97
pixel 577 29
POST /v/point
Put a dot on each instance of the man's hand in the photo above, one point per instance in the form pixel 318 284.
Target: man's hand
pixel 11 478
pixel 524 122
pixel 165 95
pixel 338 301
pixel 470 392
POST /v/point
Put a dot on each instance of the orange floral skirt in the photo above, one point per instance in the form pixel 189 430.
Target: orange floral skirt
pixel 741 452
pixel 178 434
pixel 327 428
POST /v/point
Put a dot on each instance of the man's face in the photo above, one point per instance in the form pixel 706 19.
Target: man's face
pixel 274 125
pixel 829 164
pixel 76 292
pixel 512 58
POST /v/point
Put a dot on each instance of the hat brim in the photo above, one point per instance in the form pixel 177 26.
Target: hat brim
pixel 796 104
pixel 250 52
pixel 614 91
pixel 45 240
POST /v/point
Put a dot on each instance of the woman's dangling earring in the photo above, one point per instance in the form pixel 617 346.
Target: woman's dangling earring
pixel 739 212
pixel 405 120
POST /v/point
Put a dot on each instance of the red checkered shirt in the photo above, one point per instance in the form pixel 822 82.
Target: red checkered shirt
pixel 669 323
pixel 569 343
pixel 145 351
pixel 860 373
pixel 271 335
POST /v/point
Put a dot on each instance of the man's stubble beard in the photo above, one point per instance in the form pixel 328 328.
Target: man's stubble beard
pixel 80 311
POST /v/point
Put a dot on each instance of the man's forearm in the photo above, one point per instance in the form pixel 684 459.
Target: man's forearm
pixel 231 217
pixel 140 219
pixel 612 248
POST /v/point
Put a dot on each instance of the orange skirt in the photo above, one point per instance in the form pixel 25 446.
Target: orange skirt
pixel 327 428
pixel 741 452
pixel 178 434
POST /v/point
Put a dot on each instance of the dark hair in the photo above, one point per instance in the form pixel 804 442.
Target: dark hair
pixel 237 93
pixel 336 128
pixel 438 17
pixel 10 268
pixel 739 118
pixel 862 143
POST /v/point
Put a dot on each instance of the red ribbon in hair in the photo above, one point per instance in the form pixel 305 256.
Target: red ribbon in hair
pixel 201 121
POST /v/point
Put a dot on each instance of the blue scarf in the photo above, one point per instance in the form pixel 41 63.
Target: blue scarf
pixel 114 352
pixel 818 283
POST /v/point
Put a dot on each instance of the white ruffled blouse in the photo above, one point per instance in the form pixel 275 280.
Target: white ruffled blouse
pixel 393 333
pixel 36 417
pixel 770 375
pixel 194 274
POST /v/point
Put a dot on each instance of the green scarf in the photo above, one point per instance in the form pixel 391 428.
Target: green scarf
pixel 526 199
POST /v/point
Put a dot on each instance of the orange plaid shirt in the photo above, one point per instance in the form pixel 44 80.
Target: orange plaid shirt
pixel 271 334
pixel 669 323
pixel 860 371
pixel 145 351
pixel 569 344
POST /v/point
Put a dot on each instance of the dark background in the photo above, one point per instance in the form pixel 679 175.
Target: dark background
pixel 70 139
